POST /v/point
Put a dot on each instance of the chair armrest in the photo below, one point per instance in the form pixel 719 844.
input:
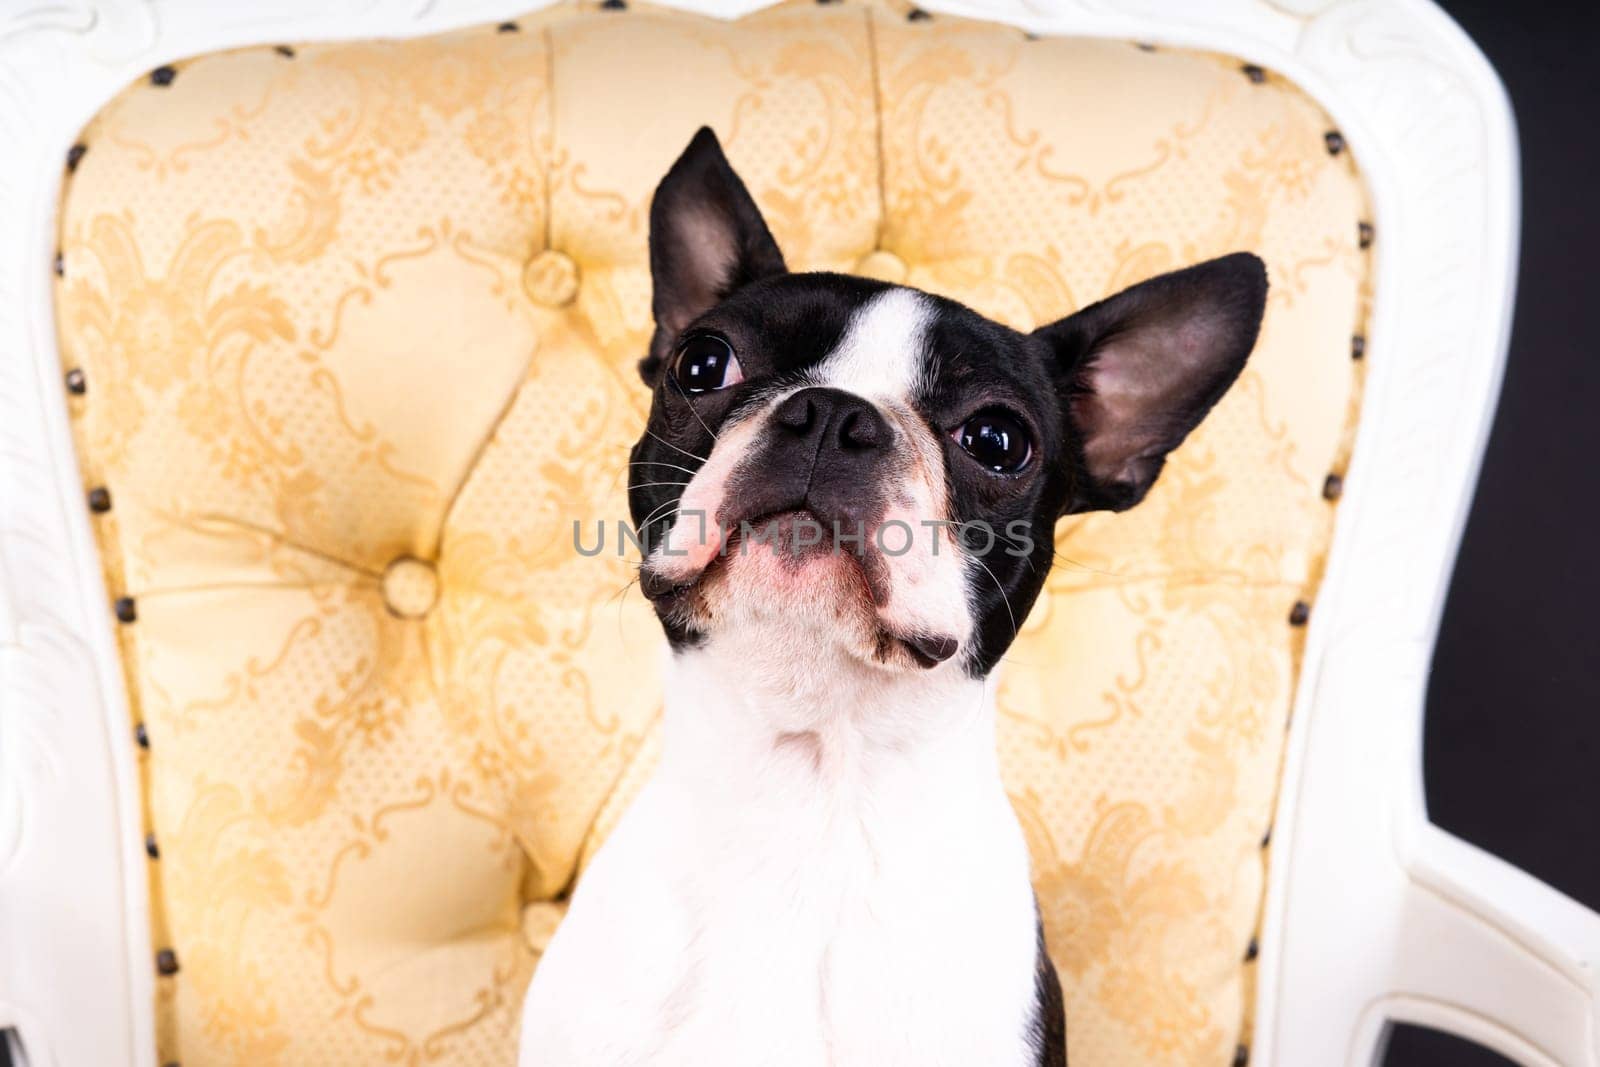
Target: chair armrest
pixel 1493 954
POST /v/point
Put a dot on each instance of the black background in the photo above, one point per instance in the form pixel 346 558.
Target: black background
pixel 1514 702
pixel 1513 727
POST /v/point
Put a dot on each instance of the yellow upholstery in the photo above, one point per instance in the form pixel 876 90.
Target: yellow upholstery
pixel 358 324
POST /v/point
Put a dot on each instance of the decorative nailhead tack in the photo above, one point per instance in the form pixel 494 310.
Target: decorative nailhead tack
pixel 166 963
pixel 1026 36
pixel 141 736
pixel 162 77
pixel 150 848
pixel 1300 614
pixel 59 265
pixel 507 27
pixel 1365 234
pixel 1252 951
pixel 285 51
pixel 1254 73
pixel 126 610
pixel 1241 1056
pixel 1335 142
pixel 613 5
pixel 1145 46
pixel 1266 838
pixel 77 383
pixel 1358 346
pixel 1332 486
pixel 75 156
pixel 100 500
pixel 916 14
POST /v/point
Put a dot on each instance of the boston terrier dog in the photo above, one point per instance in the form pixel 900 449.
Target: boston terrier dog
pixel 846 491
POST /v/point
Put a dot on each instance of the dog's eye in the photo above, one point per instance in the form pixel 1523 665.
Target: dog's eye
pixel 706 363
pixel 997 439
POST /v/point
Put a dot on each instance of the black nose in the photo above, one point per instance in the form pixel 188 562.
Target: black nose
pixel 832 419
pixel 828 452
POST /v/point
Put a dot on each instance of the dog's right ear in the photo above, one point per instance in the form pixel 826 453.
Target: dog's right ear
pixel 707 238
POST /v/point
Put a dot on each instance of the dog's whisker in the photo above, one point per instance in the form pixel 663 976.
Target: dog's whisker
pixel 621 593
pixel 1057 557
pixel 621 597
pixel 651 433
pixel 657 463
pixel 655 515
pixel 660 509
pixel 1069 561
pixel 1020 553
pixel 1002 590
pixel 673 378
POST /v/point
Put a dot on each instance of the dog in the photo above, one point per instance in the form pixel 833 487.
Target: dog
pixel 825 867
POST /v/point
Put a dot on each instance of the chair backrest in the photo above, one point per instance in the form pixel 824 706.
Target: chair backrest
pixel 347 332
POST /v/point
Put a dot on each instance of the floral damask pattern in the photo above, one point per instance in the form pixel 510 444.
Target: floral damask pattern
pixel 343 306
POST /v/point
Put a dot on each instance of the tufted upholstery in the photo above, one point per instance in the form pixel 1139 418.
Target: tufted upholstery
pixel 357 326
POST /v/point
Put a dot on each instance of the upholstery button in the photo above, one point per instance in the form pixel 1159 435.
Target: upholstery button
pixel 883 265
pixel 551 279
pixel 539 921
pixel 410 587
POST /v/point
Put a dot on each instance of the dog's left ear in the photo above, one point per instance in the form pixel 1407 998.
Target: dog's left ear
pixel 707 238
pixel 1139 370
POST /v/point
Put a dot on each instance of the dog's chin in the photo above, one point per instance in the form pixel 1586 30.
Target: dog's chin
pixel 806 584
pixel 801 591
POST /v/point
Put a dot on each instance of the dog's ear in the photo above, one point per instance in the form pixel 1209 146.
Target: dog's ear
pixel 1140 369
pixel 707 238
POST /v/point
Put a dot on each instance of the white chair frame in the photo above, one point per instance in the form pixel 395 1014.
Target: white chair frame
pixel 1373 915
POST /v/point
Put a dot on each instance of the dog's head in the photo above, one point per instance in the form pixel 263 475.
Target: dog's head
pixel 847 461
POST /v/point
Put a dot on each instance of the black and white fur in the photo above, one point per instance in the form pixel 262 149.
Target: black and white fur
pixel 825 868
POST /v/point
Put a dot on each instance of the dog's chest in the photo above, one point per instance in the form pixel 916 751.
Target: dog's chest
pixel 819 935
pixel 873 946
pixel 799 889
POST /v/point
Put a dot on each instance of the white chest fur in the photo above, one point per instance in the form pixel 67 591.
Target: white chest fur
pixel 824 870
